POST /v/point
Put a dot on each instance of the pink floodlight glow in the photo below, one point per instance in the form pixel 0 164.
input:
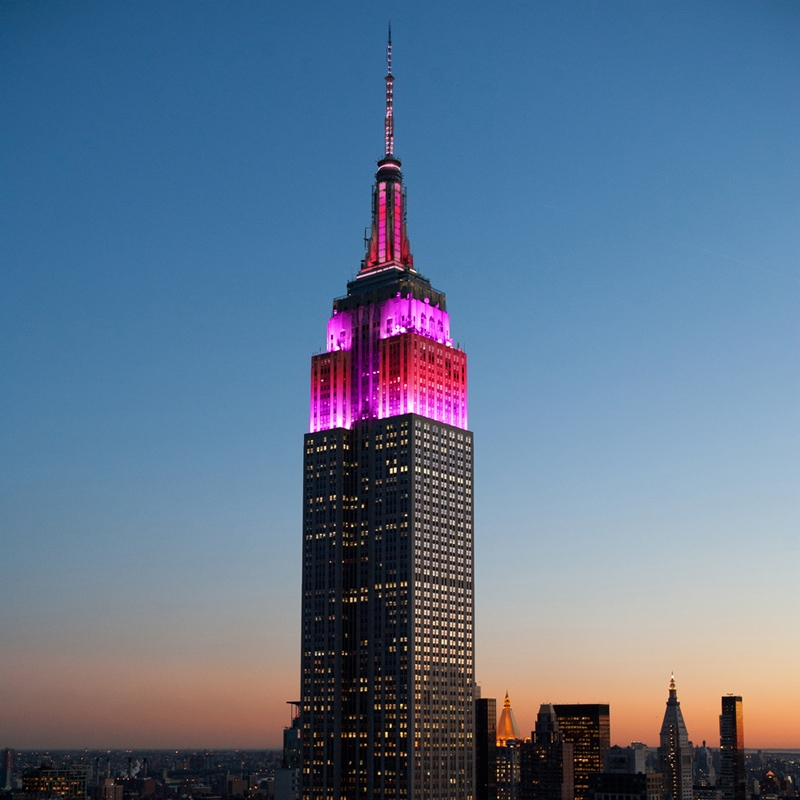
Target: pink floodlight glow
pixel 420 376
pixel 394 316
pixel 388 244
pixel 330 391
pixel 398 221
pixel 417 376
pixel 382 223
pixel 419 371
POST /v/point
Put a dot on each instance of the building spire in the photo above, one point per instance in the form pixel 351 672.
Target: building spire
pixel 507 726
pixel 676 751
pixel 388 247
pixel 389 119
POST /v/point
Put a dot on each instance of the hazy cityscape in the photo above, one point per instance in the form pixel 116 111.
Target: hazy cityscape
pixel 211 775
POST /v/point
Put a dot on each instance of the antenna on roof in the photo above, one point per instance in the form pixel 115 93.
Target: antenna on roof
pixel 389 120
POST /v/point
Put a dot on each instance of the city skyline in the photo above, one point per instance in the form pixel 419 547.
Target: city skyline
pixel 612 193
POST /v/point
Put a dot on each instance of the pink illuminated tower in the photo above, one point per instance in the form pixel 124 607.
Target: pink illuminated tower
pixel 387 615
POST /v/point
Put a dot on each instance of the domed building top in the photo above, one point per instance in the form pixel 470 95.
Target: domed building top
pixel 507 726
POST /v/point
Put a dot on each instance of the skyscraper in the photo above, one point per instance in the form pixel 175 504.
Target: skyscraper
pixel 703 767
pixel 508 754
pixel 676 752
pixel 286 784
pixel 546 761
pixel 6 769
pixel 587 726
pixel 485 748
pixel 733 779
pixel 387 610
pixel 626 776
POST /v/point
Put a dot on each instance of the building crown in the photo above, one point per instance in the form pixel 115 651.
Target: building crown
pixel 507 726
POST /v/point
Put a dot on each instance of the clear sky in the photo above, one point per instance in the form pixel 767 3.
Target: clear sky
pixel 609 194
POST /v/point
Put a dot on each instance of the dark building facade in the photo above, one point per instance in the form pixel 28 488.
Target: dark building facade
pixel 508 769
pixel 587 726
pixel 703 768
pixel 625 786
pixel 546 761
pixel 286 782
pixel 485 748
pixel 387 611
pixel 626 776
pixel 625 759
pixel 733 778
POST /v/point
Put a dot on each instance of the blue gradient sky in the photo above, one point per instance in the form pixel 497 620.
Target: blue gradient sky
pixel 609 195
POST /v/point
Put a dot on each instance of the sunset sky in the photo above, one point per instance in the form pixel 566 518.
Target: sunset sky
pixel 609 195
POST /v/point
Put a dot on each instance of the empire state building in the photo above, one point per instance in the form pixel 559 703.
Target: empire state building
pixel 387 614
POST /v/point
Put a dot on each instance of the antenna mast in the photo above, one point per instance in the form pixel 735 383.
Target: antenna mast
pixel 389 121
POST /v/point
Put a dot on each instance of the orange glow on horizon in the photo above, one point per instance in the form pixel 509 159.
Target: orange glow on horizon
pixel 114 703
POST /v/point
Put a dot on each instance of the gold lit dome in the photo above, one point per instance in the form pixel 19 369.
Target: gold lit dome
pixel 507 726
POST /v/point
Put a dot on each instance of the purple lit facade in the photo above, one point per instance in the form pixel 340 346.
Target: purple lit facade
pixel 419 370
pixel 387 617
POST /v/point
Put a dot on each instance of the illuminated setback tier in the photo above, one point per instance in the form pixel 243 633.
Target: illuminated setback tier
pixel 386 359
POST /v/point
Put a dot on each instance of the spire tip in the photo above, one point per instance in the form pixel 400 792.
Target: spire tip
pixel 389 119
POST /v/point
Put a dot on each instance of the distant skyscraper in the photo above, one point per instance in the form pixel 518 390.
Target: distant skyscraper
pixel 485 748
pixel 287 779
pixel 507 726
pixel 387 614
pixel 627 760
pixel 733 778
pixel 6 769
pixel 676 750
pixel 704 772
pixel 508 769
pixel 587 726
pixel 508 754
pixel 546 761
pixel 626 776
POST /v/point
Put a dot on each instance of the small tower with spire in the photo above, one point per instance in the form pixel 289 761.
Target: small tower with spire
pixel 676 752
